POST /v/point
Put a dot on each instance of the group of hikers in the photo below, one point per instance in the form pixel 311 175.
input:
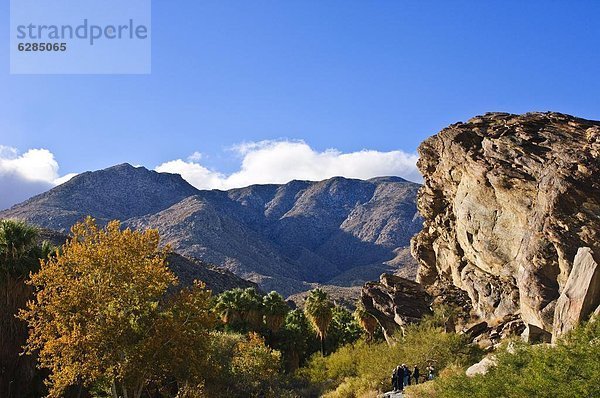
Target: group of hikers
pixel 402 376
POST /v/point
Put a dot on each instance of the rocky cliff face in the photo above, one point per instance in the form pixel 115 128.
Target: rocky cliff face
pixel 395 302
pixel 508 202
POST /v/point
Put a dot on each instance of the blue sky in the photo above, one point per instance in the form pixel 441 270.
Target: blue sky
pixel 349 75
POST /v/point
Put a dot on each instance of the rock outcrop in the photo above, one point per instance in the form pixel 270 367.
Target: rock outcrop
pixel 534 335
pixel 488 337
pixel 508 202
pixel 395 302
pixel 581 294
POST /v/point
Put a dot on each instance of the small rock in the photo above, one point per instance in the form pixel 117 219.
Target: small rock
pixel 391 394
pixel 477 329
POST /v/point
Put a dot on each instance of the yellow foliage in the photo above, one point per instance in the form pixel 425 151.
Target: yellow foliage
pixel 97 308
pixel 255 365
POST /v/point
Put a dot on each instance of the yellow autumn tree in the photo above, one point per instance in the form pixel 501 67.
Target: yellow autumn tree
pixel 100 316
pixel 255 366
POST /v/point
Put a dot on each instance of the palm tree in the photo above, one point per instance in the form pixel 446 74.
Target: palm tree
pixel 319 310
pixel 19 255
pixel 241 308
pixel 296 339
pixel 17 242
pixel 228 306
pixel 275 309
pixel 252 308
pixel 366 320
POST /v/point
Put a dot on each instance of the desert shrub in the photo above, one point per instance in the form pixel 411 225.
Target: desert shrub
pixel 360 368
pixel 255 366
pixel 569 369
pixel 243 366
pixel 355 387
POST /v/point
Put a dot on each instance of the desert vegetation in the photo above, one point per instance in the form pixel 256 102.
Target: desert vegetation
pixel 364 368
pixel 103 316
pixel 20 251
pixel 568 369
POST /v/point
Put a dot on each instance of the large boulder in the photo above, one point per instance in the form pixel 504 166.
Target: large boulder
pixel 488 336
pixel 508 200
pixel 482 367
pixel 395 302
pixel 581 294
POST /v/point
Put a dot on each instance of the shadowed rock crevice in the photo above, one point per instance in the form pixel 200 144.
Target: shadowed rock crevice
pixel 395 302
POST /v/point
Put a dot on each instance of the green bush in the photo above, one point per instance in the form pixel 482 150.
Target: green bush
pixel 360 368
pixel 243 366
pixel 571 369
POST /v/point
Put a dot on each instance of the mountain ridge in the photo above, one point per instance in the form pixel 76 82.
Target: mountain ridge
pixel 282 236
pixel 69 201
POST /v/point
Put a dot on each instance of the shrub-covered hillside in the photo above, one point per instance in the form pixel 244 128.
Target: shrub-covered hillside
pixel 570 369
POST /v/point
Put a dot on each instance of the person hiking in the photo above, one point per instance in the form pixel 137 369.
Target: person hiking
pixel 400 378
pixel 430 372
pixel 399 372
pixel 395 379
pixel 416 374
pixel 406 374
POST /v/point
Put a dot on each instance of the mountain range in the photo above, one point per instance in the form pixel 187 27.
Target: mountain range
pixel 287 237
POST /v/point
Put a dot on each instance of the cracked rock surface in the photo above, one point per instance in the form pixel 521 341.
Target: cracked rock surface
pixel 508 201
pixel 395 302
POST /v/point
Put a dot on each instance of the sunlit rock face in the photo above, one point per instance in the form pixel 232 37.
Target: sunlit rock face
pixel 508 201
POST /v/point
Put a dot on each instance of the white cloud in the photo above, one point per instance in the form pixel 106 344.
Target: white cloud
pixel 281 161
pixel 194 173
pixel 35 171
pixel 33 165
pixel 22 176
pixel 195 157
pixel 63 179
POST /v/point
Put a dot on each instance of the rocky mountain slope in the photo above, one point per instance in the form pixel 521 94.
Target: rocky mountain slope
pixel 119 192
pixel 284 237
pixel 512 216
